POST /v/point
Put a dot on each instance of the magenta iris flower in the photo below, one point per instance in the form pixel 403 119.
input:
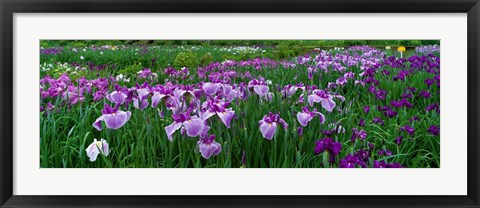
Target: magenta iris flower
pixel 341 81
pixel 383 164
pixel 208 147
pixel 425 94
pixel 410 130
pixel 320 96
pixel 268 125
pixel 141 101
pixel 378 120
pixel 218 107
pixel 434 130
pixel 366 109
pixel 413 119
pixel 289 90
pixel 305 116
pixel 429 82
pixel 327 144
pixel 118 96
pixel 349 161
pixel 300 131
pixel 193 125
pixel 362 134
pixel 398 140
pixel 210 88
pixel 163 93
pixel 385 152
pixel 259 86
pixel 361 122
pixel 113 118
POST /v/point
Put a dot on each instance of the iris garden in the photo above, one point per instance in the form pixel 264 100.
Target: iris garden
pixel 239 106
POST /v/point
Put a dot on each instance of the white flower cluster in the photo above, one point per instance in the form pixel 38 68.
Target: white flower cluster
pixel 65 67
pixel 242 49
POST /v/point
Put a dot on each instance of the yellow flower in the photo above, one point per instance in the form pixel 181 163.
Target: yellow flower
pixel 401 49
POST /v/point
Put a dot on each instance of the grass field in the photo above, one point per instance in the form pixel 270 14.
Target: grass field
pixel 239 106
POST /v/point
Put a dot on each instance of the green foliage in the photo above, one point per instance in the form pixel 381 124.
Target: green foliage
pixel 132 69
pixel 288 49
pixel 185 59
pixel 206 59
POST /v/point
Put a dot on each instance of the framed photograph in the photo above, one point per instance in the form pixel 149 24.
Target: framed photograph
pixel 244 104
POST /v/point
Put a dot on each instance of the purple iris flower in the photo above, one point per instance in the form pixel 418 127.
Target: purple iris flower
pixel 414 118
pixel 146 73
pixel 410 130
pixel 300 131
pixel 341 81
pixel 434 130
pixel 118 96
pixel 228 92
pixel 327 144
pixel 311 70
pixel 210 88
pixel 244 159
pixel 407 95
pixel 362 134
pixel 385 152
pixel 398 140
pixel 268 125
pixel 259 86
pixel 208 146
pixel 349 75
pixel 160 95
pixel 429 82
pixel 193 125
pixel 434 106
pixel 380 94
pixel 218 107
pixel 141 101
pixel 383 164
pixel 305 116
pixel 371 145
pixel 113 118
pixel 406 103
pixel 366 109
pixel 378 120
pixel 390 113
pixel 396 104
pixel 176 106
pixel 289 90
pixel 349 161
pixel 425 94
pixel 361 122
pixel 363 157
pixel 322 97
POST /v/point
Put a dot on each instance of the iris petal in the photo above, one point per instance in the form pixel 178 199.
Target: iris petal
pixel 328 104
pixel 170 129
pixel 304 118
pixel 268 130
pixel 261 90
pixel 116 120
pixel 210 88
pixel 194 127
pixel 226 117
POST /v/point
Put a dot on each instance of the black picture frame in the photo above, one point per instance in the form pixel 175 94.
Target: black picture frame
pixel 9 7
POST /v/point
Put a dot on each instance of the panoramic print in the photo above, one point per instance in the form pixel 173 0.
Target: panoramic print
pixel 239 103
